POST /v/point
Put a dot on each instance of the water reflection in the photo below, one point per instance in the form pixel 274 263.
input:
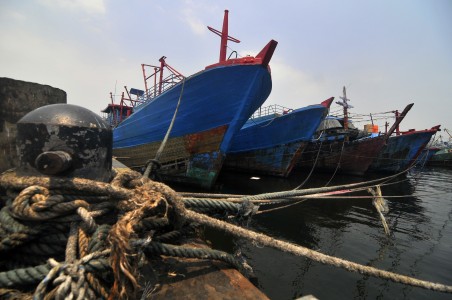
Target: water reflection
pixel 420 243
pixel 421 236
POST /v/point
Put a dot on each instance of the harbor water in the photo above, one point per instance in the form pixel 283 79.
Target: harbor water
pixel 419 245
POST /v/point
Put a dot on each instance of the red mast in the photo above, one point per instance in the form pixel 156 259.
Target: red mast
pixel 224 37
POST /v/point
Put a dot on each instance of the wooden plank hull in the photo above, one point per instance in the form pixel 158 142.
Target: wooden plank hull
pixel 401 151
pixel 277 161
pixel 353 157
pixel 194 159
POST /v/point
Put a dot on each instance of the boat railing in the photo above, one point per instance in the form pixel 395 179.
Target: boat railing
pixel 156 83
pixel 155 90
pixel 115 113
pixel 273 109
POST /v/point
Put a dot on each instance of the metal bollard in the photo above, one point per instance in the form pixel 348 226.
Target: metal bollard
pixel 64 140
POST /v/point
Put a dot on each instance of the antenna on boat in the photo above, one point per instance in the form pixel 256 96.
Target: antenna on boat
pixel 224 36
pixel 346 106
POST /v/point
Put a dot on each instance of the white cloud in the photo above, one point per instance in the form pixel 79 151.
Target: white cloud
pixel 294 88
pixel 196 25
pixel 87 6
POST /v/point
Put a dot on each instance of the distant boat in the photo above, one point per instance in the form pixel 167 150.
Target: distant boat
pixel 442 156
pixel 208 107
pixel 401 151
pixel 339 146
pixel 272 140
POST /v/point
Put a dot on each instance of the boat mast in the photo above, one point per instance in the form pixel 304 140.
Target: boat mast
pixel 399 119
pixel 346 106
pixel 397 130
pixel 224 37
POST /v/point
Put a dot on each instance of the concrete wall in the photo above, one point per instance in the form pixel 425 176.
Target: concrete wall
pixel 17 98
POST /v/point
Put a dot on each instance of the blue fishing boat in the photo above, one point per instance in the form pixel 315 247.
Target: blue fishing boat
pixel 401 151
pixel 181 127
pixel 272 140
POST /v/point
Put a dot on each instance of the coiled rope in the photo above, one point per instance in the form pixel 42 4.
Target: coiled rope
pixel 83 236
pixel 105 242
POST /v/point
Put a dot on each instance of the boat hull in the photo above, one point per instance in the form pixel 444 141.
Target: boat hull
pixel 214 104
pixel 401 151
pixel 353 157
pixel 273 144
pixel 442 158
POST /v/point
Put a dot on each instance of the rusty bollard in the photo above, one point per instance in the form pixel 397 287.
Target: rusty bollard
pixel 64 140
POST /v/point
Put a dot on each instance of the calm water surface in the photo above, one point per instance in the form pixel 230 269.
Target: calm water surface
pixel 420 244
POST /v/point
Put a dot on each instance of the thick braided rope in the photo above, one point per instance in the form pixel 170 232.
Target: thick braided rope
pixel 33 275
pixel 265 240
pixel 156 248
pixel 211 204
pixel 69 277
pixel 82 186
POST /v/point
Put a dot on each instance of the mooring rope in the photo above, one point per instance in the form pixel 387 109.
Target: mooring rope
pixel 292 193
pixel 338 163
pixel 100 222
pixel 156 159
pixel 265 240
pixel 107 241
pixel 313 166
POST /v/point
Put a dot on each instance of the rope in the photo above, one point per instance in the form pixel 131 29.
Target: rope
pixel 338 163
pixel 265 240
pixel 213 205
pixel 155 248
pixel 106 233
pixel 313 167
pixel 156 159
pixel 44 208
pixel 381 206
pixel 311 191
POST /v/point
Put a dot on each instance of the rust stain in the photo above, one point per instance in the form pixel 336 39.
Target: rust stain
pixel 205 141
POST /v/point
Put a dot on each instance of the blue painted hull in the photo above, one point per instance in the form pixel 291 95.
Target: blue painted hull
pixel 272 144
pixel 214 106
pixel 401 152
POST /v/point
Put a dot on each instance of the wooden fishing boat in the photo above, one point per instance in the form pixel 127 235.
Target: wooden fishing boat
pixel 338 146
pixel 340 153
pixel 401 151
pixel 272 140
pixel 184 125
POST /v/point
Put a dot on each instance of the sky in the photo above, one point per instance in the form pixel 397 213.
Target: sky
pixel 386 53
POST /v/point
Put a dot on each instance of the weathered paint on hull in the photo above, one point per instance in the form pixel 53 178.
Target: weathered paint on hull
pixel 273 144
pixel 215 103
pixel 442 158
pixel 426 155
pixel 276 161
pixel 193 159
pixel 352 158
pixel 400 152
